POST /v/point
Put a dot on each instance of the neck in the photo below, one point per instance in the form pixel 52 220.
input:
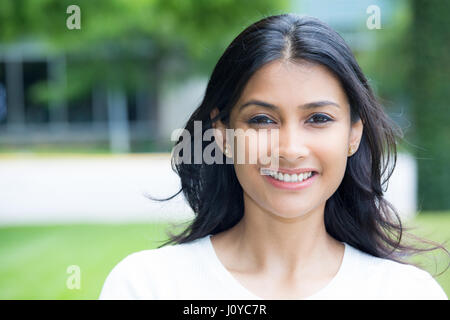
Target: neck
pixel 270 244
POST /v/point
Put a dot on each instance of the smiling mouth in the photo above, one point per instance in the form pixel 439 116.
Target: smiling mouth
pixel 289 175
pixel 291 181
pixel 286 177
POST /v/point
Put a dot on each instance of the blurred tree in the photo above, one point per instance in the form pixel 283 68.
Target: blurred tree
pixel 124 42
pixel 388 66
pixel 429 40
pixel 410 70
pixel 129 45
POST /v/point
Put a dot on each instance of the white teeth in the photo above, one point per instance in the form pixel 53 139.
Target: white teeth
pixel 291 177
pixel 287 177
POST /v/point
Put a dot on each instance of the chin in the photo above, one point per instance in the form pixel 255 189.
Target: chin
pixel 286 213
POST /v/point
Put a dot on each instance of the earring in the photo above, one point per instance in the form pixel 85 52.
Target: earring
pixel 350 150
pixel 227 150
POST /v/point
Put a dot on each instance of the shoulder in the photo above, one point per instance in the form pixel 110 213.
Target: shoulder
pixel 143 261
pixel 410 282
pixel 133 277
pixel 161 259
pixel 395 280
pixel 148 273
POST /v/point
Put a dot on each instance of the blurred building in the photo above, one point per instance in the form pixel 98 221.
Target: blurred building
pixel 101 116
pixel 118 118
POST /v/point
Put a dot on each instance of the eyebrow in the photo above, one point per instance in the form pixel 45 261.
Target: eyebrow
pixel 306 106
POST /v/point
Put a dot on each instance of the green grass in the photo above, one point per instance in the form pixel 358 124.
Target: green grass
pixel 34 259
pixel 434 226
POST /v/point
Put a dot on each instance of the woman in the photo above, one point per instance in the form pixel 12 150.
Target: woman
pixel 313 226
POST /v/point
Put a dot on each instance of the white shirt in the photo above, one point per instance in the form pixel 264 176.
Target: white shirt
pixel 193 271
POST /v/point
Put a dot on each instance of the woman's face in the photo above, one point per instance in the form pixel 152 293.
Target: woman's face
pixel 317 137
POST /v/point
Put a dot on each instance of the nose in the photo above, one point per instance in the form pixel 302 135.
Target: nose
pixel 292 144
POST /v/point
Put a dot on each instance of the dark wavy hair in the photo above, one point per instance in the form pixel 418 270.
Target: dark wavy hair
pixel 357 213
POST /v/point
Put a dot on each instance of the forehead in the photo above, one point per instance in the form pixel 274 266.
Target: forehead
pixel 288 84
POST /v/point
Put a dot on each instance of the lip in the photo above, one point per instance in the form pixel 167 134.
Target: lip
pixel 291 185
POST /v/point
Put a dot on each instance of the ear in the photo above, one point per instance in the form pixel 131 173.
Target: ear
pixel 356 134
pixel 220 129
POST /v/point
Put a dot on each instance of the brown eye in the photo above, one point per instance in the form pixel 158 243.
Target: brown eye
pixel 320 118
pixel 260 120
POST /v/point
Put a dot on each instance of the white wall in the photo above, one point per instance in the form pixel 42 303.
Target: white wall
pixel 88 189
pixel 177 104
pixel 110 189
pixel 402 187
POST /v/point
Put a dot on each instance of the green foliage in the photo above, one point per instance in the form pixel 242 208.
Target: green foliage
pixel 410 70
pixel 122 42
pixel 428 86
pixel 388 66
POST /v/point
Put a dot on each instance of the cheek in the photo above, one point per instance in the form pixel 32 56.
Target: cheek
pixel 331 148
pixel 249 150
pixel 254 147
pixel 249 179
pixel 245 152
pixel 331 153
